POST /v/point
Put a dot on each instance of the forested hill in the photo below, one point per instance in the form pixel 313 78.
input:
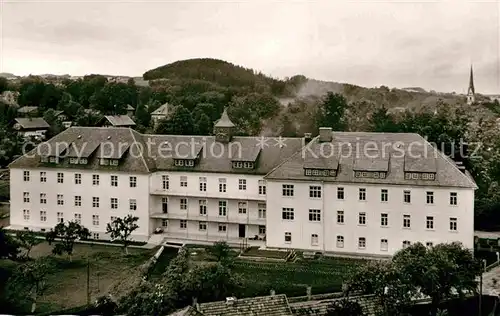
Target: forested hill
pixel 216 71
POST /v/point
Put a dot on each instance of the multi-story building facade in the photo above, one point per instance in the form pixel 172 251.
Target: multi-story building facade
pixel 300 193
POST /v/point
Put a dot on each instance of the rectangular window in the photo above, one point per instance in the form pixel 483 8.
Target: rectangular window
pixel 242 207
pixel 429 244
pixel 95 236
pixel 95 201
pixel 429 223
pixel 430 197
pixel 453 223
pixel 362 218
pixel 242 184
pixel 203 184
pixel 43 216
pixel 202 226
pixel 384 195
pixel 78 200
pixel 165 184
pixel 26 215
pixel 361 242
pixel 315 215
pixel 407 196
pixel 222 208
pixel 113 218
pixel 60 177
pixel 183 204
pixel 183 224
pixel 78 218
pixel 262 187
pixel 203 207
pixel 114 203
pixel 340 193
pixel 43 176
pixel 340 241
pixel 406 221
pixel 114 181
pixel 453 198
pixel 132 181
pixel 287 213
pixel 43 198
pixel 132 204
pixel 262 230
pixel 406 244
pixel 340 217
pixel 78 178
pixel 384 219
pixel 262 210
pixel 60 199
pixel 95 179
pixel 95 220
pixel 384 245
pixel 314 239
pixel 362 194
pixel 164 223
pixel 60 217
pixel 314 191
pixel 26 176
pixel 26 197
pixel 184 181
pixel 222 185
pixel 288 237
pixel 164 205
pixel 222 228
pixel 288 189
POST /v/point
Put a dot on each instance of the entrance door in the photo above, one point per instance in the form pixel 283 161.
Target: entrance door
pixel 242 230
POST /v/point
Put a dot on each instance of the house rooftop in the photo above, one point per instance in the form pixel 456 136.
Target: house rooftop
pixel 118 120
pixel 224 121
pixel 27 109
pixel 32 123
pixel 164 109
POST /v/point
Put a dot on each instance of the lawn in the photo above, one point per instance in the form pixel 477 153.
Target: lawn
pixel 67 286
pixel 273 254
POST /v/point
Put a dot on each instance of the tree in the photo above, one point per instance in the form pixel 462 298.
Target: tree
pixel 29 281
pixel 248 110
pixel 344 307
pixel 142 116
pixel 27 240
pixel 67 234
pixel 382 122
pixel 4 84
pixel 55 124
pixel 221 251
pixel 203 125
pixel 331 111
pixel 438 272
pixel 122 228
pixel 180 123
pixel 9 248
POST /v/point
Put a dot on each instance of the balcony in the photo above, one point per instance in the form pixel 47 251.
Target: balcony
pixel 206 238
pixel 207 218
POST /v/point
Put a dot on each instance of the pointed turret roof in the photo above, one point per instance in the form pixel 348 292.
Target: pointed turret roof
pixel 471 82
pixel 224 120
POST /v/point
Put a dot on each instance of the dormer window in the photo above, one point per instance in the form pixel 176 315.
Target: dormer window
pixel 104 162
pixel 73 161
pixel 320 172
pixel 44 159
pixel 53 160
pixel 243 164
pixel 83 161
pixel 114 162
pixel 371 174
pixel 184 162
pixel 420 176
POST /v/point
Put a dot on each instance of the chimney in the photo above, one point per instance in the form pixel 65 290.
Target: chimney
pixel 307 137
pixel 309 293
pixel 325 134
pixel 230 300
pixel 273 292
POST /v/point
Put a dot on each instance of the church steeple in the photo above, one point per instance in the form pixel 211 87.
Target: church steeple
pixel 471 90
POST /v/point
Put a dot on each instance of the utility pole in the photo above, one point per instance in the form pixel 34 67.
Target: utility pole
pixel 88 281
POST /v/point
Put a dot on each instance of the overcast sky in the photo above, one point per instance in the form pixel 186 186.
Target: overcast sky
pixel 370 43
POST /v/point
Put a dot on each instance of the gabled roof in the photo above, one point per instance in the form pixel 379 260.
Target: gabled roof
pixel 224 120
pixel 274 305
pixel 396 154
pixel 27 109
pixel 118 120
pixel 164 109
pixel 130 108
pixel 32 123
pixel 57 113
pixel 188 311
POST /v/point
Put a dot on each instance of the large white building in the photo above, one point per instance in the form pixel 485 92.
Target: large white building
pixel 348 193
